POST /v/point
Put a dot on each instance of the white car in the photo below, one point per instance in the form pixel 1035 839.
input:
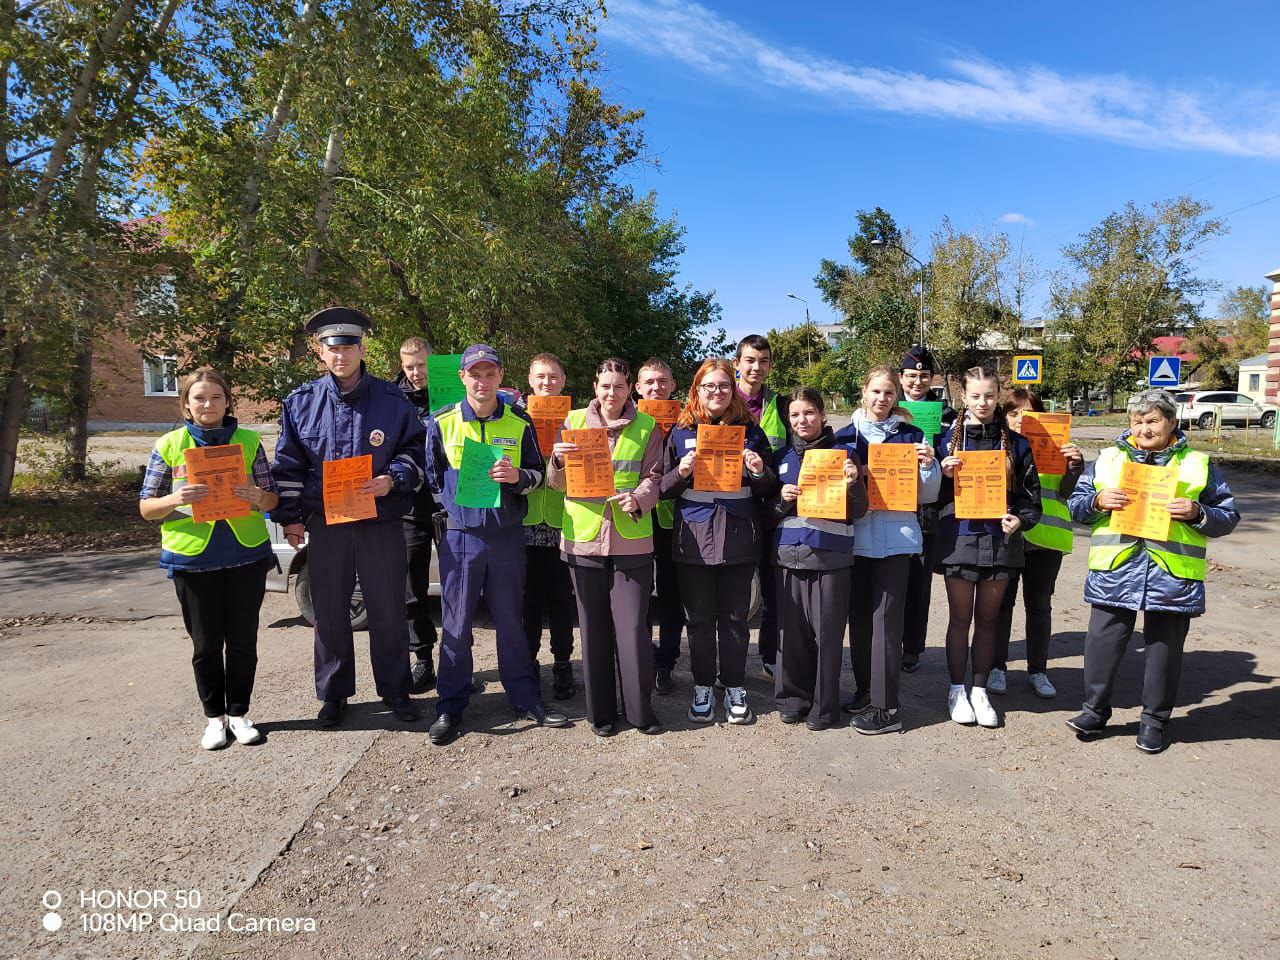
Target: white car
pixel 1199 408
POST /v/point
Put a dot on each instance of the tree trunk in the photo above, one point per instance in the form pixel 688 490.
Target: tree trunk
pixel 15 408
pixel 79 393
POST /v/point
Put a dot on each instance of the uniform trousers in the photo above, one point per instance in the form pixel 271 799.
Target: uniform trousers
pixel 667 605
pixel 220 609
pixel 613 617
pixel 767 639
pixel 372 550
pixel 1164 635
pixel 875 626
pixel 813 610
pixel 491 566
pixel 716 602
pixel 422 629
pixel 1039 577
pixel 915 627
pixel 547 588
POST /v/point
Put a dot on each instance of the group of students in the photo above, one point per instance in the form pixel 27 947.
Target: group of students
pixel 537 553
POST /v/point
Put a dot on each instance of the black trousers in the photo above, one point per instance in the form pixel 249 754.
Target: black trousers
pixel 668 608
pixel 547 588
pixel 1109 631
pixel 716 602
pixel 613 617
pixel 876 610
pixel 374 551
pixel 767 641
pixel 813 609
pixel 915 626
pixel 220 609
pixel 1039 577
pixel 422 630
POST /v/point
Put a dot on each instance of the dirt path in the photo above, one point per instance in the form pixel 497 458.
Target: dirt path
pixel 768 841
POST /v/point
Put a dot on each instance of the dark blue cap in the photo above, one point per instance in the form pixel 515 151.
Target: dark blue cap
pixel 918 358
pixel 479 353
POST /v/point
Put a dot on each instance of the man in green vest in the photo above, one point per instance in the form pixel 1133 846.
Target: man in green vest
pixel 753 361
pixel 1160 575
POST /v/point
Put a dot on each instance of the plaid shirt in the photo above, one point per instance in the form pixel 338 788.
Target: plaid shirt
pixel 158 481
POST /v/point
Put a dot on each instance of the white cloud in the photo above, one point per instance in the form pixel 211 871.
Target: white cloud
pixel 1014 217
pixel 1106 106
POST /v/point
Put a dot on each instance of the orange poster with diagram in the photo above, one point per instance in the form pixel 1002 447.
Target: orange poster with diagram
pixel 717 468
pixel 342 480
pixel 893 476
pixel 666 412
pixel 588 471
pixel 1149 489
pixel 1047 433
pixel 823 494
pixel 221 469
pixel 547 414
pixel 981 485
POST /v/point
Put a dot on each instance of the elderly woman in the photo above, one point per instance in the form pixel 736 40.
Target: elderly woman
pixel 1162 578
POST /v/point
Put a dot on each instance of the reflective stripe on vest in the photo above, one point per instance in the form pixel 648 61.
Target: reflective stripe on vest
pixel 584 518
pixel 183 535
pixel 711 496
pixel 1183 554
pixel 1054 529
pixel 771 423
pixel 818 534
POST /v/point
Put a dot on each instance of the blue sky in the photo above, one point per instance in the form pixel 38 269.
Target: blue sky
pixel 772 124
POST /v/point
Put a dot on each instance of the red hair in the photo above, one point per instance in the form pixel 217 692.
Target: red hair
pixel 694 412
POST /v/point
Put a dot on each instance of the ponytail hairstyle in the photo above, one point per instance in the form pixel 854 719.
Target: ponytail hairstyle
pixel 984 372
pixel 887 372
pixel 613 365
pixel 694 412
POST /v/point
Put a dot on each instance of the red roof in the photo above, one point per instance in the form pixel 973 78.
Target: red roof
pixel 1174 347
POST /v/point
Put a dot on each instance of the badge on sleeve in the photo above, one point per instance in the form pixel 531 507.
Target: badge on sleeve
pixel 377 438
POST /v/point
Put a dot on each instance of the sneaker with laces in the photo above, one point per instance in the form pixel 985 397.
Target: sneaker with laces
pixel 701 710
pixel 215 734
pixel 959 707
pixel 243 730
pixel 876 721
pixel 1043 688
pixel 996 681
pixel 983 711
pixel 860 703
pixel 736 709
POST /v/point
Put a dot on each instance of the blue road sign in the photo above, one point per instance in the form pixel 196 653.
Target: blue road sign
pixel 1164 371
pixel 1026 369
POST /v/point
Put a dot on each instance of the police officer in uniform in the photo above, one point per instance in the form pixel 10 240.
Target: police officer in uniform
pixel 482 552
pixel 349 413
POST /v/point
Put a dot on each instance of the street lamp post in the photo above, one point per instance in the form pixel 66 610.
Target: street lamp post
pixel 924 270
pixel 808 324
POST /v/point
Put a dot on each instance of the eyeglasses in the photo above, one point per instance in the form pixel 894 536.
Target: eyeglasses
pixel 715 387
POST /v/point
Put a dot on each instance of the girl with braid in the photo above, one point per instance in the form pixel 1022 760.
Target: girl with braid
pixel 976 557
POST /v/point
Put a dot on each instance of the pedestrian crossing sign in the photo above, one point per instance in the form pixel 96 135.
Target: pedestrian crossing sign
pixel 1164 371
pixel 1026 369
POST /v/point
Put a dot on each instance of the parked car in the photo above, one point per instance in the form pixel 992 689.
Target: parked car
pixel 1200 407
pixel 293 566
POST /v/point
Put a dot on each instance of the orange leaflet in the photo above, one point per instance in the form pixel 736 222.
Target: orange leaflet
pixel 893 475
pixel 342 480
pixel 1149 490
pixel 1047 433
pixel 717 468
pixel 220 468
pixel 547 414
pixel 823 492
pixel 666 412
pixel 981 490
pixel 588 471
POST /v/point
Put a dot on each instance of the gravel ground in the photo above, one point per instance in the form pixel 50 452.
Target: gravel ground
pixel 766 841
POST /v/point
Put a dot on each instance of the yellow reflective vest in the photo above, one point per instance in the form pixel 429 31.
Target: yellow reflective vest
pixel 584 518
pixel 184 536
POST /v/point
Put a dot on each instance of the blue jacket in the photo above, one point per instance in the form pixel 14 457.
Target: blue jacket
pixel 825 536
pixel 318 423
pixel 1140 583
pixel 442 478
pixel 889 533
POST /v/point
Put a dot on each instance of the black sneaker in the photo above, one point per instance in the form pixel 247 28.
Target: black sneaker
pixel 910 663
pixel 562 684
pixel 817 725
pixel 423 676
pixel 1087 724
pixel 662 681
pixel 861 703
pixel 876 721
pixel 1151 739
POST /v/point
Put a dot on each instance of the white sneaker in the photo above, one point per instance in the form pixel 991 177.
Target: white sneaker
pixel 995 681
pixel 243 730
pixel 701 710
pixel 736 709
pixel 983 711
pixel 215 734
pixel 1040 682
pixel 958 705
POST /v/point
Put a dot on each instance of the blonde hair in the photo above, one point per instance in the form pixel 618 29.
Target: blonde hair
pixel 888 373
pixel 205 375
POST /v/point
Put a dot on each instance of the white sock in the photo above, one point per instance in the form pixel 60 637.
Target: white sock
pixel 957 687
pixel 977 689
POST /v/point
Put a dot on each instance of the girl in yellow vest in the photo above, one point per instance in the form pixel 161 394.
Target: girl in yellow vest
pixel 1046 544
pixel 219 569
pixel 608 545
pixel 1163 578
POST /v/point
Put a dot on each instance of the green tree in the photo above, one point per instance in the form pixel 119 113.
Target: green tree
pixel 797 355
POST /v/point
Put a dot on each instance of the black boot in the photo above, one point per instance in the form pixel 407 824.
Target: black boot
pixel 423 675
pixel 562 684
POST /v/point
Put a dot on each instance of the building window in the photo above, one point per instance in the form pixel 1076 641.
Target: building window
pixel 159 376
pixel 1255 382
